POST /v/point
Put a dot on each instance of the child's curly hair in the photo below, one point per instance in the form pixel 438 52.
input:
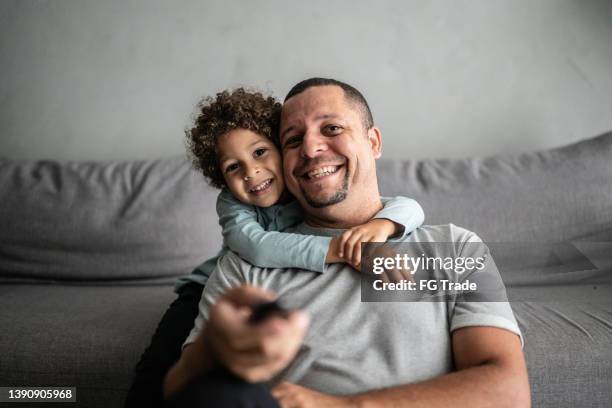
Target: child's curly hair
pixel 238 109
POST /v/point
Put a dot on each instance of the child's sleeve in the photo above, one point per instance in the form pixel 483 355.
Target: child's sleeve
pixel 403 211
pixel 247 237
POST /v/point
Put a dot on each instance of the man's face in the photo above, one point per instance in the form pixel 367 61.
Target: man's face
pixel 329 155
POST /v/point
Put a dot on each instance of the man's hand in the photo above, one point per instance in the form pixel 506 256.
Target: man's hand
pixel 375 230
pixel 294 396
pixel 255 352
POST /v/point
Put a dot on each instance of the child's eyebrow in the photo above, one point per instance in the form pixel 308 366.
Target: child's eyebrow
pixel 223 158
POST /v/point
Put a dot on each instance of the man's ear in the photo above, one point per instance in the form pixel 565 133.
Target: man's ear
pixel 375 140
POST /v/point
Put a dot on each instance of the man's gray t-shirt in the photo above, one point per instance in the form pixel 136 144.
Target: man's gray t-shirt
pixel 353 346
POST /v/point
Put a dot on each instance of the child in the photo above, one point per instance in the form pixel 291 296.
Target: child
pixel 233 144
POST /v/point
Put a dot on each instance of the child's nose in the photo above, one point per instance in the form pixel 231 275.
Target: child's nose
pixel 251 172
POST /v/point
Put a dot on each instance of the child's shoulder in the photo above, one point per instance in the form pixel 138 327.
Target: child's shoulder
pixel 226 199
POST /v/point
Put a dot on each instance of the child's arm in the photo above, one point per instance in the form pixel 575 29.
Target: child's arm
pixel 247 237
pixel 399 215
pixel 405 213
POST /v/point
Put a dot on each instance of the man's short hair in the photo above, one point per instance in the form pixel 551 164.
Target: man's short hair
pixel 350 93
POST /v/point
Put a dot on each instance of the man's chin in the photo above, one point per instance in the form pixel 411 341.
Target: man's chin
pixel 326 193
pixel 322 201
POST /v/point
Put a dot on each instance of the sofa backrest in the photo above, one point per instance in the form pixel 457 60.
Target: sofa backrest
pixel 115 220
pixel 555 195
pixel 156 218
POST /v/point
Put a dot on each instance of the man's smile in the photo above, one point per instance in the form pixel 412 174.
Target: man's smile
pixel 318 171
pixel 322 175
pixel 322 171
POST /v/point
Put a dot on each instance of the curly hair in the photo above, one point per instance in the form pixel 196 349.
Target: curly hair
pixel 216 116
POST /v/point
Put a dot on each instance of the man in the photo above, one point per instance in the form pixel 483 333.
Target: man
pixel 353 353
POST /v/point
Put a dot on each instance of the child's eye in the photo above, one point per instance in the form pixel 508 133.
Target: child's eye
pixel 231 167
pixel 259 152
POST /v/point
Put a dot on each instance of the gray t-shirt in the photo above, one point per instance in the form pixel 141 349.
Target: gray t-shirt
pixel 353 346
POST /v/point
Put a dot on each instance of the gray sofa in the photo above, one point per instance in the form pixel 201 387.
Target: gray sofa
pixel 89 252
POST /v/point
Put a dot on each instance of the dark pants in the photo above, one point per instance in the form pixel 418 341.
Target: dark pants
pixel 221 389
pixel 165 349
pixel 218 388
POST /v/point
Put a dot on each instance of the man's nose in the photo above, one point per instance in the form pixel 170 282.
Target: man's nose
pixel 313 144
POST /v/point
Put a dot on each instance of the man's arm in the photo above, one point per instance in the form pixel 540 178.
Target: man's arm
pixel 491 372
pixel 194 360
pixel 255 352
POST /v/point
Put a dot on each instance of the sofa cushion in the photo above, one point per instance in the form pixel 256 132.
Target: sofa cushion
pixel 89 337
pixel 156 218
pixel 567 349
pixel 114 220
pixel 92 336
pixel 556 195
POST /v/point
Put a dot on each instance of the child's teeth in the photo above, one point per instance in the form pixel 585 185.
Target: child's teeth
pixel 261 186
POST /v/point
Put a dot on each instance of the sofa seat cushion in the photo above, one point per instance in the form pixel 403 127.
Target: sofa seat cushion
pixel 568 352
pixel 90 337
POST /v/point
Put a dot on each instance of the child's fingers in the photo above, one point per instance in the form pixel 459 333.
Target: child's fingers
pixel 342 241
pixel 380 238
pixel 351 245
pixel 395 275
pixel 348 246
pixel 348 249
pixel 356 259
pixel 384 278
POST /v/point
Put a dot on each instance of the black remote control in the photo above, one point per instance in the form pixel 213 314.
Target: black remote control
pixel 264 310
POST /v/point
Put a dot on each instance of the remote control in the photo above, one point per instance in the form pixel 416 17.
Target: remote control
pixel 264 310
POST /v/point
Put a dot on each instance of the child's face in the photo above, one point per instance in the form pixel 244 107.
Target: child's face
pixel 251 166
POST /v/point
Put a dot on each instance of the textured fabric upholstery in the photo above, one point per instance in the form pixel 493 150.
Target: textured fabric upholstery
pixel 89 337
pixel 559 194
pixel 93 221
pixel 88 252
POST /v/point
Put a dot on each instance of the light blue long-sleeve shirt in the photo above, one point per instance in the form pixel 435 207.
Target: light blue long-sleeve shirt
pixel 255 234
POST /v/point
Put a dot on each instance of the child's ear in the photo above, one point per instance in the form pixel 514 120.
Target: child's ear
pixel 375 140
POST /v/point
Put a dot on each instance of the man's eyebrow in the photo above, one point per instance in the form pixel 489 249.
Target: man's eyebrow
pixel 327 116
pixel 320 117
pixel 284 132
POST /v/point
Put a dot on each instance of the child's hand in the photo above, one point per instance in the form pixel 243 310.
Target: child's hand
pixel 349 243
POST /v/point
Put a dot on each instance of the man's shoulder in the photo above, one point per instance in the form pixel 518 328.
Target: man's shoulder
pixel 232 260
pixel 230 266
pixel 442 233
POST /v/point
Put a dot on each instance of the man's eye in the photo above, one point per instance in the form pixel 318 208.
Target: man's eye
pixel 231 167
pixel 334 129
pixel 292 141
pixel 259 152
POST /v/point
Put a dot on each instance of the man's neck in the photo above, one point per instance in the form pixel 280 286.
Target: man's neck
pixel 338 217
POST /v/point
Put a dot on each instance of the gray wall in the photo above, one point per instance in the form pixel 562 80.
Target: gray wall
pixel 89 79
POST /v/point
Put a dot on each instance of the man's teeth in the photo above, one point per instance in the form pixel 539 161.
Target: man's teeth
pixel 323 171
pixel 262 186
